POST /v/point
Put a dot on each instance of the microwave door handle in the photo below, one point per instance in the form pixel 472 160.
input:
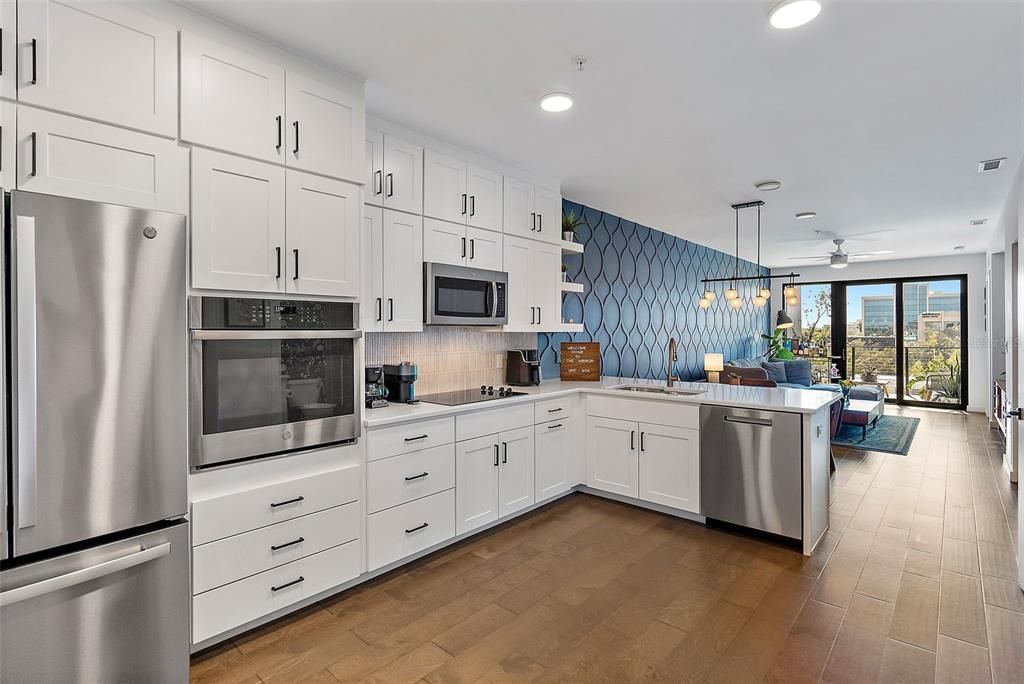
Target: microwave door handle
pixel 489 300
pixel 27 369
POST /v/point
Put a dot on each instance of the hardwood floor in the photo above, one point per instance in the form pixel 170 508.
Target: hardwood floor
pixel 915 582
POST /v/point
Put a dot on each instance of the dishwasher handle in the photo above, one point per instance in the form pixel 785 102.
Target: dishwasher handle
pixel 760 422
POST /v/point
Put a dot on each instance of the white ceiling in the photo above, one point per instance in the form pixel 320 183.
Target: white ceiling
pixel 875 115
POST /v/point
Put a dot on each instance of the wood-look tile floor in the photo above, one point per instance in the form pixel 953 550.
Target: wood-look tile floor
pixel 915 582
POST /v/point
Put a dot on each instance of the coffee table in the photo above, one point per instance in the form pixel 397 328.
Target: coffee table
pixel 863 413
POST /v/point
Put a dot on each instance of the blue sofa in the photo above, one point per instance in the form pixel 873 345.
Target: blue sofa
pixel 795 374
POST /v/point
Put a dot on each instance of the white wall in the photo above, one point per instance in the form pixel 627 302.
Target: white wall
pixel 973 265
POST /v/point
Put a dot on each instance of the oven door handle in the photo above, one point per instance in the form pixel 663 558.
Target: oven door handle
pixel 276 334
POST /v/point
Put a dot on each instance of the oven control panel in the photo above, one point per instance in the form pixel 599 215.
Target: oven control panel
pixel 234 313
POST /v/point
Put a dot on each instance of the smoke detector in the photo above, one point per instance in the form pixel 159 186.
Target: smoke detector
pixel 990 165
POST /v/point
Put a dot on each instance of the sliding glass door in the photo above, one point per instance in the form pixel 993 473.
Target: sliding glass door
pixel 871 335
pixel 932 336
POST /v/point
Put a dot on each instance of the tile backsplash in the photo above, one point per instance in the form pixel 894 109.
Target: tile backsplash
pixel 448 358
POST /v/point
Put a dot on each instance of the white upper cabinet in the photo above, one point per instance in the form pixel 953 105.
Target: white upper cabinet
pixel 8 50
pixel 548 206
pixel 371 309
pixel 325 129
pixel 231 101
pixel 8 143
pixel 545 272
pixel 521 314
pixel 403 272
pixel 484 188
pixel 484 249
pixel 534 269
pixel 670 466
pixel 65 155
pixel 444 187
pixel 238 223
pixel 98 60
pixel 532 211
pixel 402 175
pixel 373 163
pixel 453 243
pixel 323 236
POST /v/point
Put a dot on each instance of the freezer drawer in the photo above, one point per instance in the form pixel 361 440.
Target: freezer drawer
pixel 751 471
pixel 117 612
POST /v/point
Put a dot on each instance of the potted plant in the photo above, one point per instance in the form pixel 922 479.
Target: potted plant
pixel 777 345
pixel 570 222
pixel 869 375
pixel 565 273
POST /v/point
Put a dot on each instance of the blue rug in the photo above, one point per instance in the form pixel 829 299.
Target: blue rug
pixel 892 434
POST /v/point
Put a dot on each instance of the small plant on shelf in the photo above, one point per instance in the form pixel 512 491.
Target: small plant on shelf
pixel 565 273
pixel 570 222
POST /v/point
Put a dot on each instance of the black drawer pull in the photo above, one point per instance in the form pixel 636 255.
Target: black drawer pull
pixel 417 528
pixel 288 584
pixel 416 439
pixel 556 410
pixel 289 501
pixel 410 478
pixel 278 547
pixel 552 427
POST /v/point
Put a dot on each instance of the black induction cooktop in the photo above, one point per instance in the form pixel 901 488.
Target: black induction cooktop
pixel 470 396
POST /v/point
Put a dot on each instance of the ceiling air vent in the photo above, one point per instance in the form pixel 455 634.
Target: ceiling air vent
pixel 978 222
pixel 990 165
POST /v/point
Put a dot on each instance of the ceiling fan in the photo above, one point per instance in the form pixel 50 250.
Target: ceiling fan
pixel 840 258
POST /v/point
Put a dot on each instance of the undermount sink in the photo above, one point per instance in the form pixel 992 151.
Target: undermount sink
pixel 656 389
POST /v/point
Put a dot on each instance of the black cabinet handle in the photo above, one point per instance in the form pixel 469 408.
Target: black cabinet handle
pixel 463 204
pixel 288 584
pixel 278 251
pixel 504 452
pixel 538 315
pixel 472 205
pixel 410 478
pixel 495 455
pixel 472 248
pixel 533 315
pixel 554 410
pixel 418 527
pixel 295 276
pixel 533 220
pixel 632 437
pixel 552 427
pixel 280 132
pixel 463 248
pixel 380 309
pixel 33 136
pixel 278 547
pixel 378 182
pixel 641 441
pixel 1 51
pixel 540 223
pixel 416 439
pixel 391 309
pixel 34 81
pixel 289 501
pixel 296 124
pixel 391 185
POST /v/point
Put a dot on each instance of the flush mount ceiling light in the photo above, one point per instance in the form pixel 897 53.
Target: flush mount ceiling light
pixel 768 185
pixel 806 215
pixel 556 102
pixel 789 14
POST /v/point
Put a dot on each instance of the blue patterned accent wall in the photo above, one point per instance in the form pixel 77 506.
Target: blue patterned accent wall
pixel 641 287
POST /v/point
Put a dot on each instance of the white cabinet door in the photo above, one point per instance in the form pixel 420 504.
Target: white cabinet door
pixel 484 249
pixel 444 242
pixel 403 272
pixel 519 217
pixel 8 144
pixel 521 315
pixel 372 305
pixel 545 272
pixel 8 50
pixel 323 236
pixel 373 178
pixel 65 155
pixel 553 459
pixel 238 223
pixel 485 189
pixel 515 488
pixel 444 187
pixel 612 456
pixel 230 100
pixel 548 206
pixel 476 483
pixel 99 60
pixel 326 129
pixel 402 183
pixel 670 466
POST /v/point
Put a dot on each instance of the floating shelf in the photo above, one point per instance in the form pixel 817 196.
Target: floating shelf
pixel 571 247
pixel 571 287
pixel 567 328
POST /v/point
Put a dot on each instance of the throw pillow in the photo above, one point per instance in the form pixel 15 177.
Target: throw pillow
pixel 798 372
pixel 776 370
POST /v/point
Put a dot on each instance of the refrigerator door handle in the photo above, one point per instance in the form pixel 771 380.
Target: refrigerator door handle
pixel 27 381
pixel 48 586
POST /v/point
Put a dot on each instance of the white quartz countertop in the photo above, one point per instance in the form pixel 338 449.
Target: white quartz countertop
pixel 764 398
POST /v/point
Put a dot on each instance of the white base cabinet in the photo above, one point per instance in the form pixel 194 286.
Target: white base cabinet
pixel 404 530
pixel 494 477
pixel 670 466
pixel 612 463
pixel 554 459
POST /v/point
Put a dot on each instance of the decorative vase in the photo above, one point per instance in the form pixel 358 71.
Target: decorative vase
pixel 846 395
pixel 568 235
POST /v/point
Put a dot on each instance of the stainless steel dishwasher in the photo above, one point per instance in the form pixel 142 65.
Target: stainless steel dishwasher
pixel 750 469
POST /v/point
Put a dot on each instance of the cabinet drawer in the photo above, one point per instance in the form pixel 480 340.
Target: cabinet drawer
pixel 473 425
pixel 404 439
pixel 554 409
pixel 235 604
pixel 399 479
pixel 404 530
pixel 660 411
pixel 250 509
pixel 227 560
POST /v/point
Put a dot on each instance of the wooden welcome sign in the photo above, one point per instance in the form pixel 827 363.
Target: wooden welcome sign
pixel 580 361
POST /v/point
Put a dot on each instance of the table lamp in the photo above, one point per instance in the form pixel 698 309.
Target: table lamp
pixel 713 365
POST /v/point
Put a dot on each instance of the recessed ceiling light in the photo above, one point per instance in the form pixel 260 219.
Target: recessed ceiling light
pixel 556 102
pixel 806 215
pixel 792 13
pixel 958 248
pixel 768 185
pixel 978 222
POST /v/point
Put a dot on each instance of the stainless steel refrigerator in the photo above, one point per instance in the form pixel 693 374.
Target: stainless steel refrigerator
pixel 94 580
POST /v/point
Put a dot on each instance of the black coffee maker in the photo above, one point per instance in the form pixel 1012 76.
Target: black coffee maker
pixel 399 379
pixel 522 367
pixel 376 393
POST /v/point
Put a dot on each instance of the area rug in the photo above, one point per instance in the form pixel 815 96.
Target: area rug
pixel 892 434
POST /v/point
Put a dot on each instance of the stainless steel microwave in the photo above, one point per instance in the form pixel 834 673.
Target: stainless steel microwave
pixel 269 376
pixel 461 295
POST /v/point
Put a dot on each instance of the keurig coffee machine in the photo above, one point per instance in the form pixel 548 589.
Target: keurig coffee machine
pixel 399 379
pixel 522 367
